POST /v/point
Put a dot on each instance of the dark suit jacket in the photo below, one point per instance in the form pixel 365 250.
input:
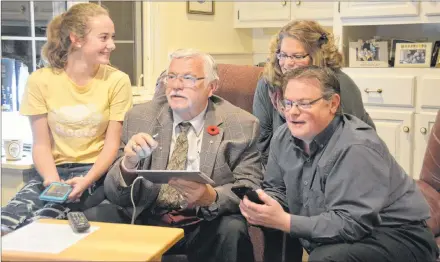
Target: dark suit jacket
pixel 229 158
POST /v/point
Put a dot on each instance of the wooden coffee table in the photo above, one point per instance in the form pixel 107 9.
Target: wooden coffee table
pixel 111 242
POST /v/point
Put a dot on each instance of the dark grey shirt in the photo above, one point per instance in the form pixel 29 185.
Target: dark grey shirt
pixel 270 119
pixel 348 185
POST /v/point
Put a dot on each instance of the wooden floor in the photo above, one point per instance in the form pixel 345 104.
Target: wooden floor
pixel 305 255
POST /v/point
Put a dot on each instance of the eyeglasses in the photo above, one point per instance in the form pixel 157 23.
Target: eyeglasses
pixel 187 80
pixel 295 57
pixel 288 104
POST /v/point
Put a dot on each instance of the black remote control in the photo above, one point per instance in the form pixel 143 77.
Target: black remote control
pixel 78 221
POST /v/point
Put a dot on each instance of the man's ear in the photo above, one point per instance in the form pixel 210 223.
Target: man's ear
pixel 335 103
pixel 213 85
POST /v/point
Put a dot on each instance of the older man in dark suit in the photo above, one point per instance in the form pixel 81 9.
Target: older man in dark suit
pixel 196 130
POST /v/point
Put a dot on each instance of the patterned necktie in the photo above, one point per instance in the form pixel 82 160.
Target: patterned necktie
pixel 169 197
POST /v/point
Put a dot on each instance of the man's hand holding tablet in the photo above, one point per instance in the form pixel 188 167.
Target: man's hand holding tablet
pixel 195 187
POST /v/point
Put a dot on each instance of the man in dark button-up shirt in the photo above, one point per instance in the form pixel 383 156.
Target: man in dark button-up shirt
pixel 347 197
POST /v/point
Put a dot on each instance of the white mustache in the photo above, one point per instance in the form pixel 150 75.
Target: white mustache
pixel 176 94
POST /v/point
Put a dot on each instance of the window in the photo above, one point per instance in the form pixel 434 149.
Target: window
pixel 23 33
pixel 127 17
pixel 23 30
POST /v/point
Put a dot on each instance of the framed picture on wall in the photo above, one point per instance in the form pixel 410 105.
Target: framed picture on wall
pixel 200 7
pixel 413 55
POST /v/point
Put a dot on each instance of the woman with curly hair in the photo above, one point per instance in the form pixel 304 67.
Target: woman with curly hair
pixel 299 43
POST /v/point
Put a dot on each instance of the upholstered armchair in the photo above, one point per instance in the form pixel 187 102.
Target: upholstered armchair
pixel 237 85
pixel 429 181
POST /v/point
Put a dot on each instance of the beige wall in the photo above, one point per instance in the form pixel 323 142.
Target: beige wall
pixel 173 28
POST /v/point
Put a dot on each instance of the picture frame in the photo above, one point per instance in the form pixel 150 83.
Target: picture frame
pixel 438 62
pixel 200 7
pixel 435 54
pixel 368 53
pixel 413 55
pixel 392 49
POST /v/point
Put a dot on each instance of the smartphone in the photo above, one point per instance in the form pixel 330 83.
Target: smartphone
pixel 251 194
pixel 56 192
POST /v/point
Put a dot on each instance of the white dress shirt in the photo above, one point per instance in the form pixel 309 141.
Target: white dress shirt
pixel 195 136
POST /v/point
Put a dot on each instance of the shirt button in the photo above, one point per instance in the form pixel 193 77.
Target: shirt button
pixel 306 183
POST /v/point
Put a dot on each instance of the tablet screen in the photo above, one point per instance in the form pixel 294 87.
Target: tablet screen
pixel 57 190
pixel 163 176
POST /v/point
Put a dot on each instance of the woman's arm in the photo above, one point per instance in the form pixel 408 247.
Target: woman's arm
pixel 108 153
pixel 262 109
pixel 103 162
pixel 42 149
pixel 351 99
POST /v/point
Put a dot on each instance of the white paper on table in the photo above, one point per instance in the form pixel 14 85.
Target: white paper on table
pixel 43 238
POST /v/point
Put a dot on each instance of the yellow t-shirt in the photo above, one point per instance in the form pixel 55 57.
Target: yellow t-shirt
pixel 78 116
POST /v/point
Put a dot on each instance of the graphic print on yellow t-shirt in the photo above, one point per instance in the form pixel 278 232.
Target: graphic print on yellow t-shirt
pixel 79 131
pixel 77 121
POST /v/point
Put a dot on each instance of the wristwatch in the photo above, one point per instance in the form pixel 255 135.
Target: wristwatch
pixel 214 206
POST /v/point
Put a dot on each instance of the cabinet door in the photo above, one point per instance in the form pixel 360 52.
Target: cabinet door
pixel 422 131
pixel 431 8
pixel 379 9
pixel 266 14
pixel 312 10
pixel 395 129
pixel 16 18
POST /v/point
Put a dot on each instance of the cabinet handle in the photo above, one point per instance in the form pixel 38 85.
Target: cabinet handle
pixel 284 3
pixel 423 130
pixel 406 129
pixel 379 90
pixel 298 2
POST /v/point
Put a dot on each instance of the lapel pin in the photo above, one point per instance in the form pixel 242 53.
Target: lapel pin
pixel 213 130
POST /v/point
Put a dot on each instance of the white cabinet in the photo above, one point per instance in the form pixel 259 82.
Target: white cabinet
pixel 422 130
pixel 278 13
pixel 319 11
pixel 394 128
pixel 15 11
pixel 44 11
pixel 255 14
pixel 431 8
pixel 355 9
pixel 403 104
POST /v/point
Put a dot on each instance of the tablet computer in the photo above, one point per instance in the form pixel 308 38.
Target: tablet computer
pixel 56 192
pixel 163 176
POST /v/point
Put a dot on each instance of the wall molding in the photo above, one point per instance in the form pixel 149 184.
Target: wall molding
pixel 239 58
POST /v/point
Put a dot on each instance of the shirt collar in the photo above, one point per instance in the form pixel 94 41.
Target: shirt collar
pixel 196 123
pixel 321 139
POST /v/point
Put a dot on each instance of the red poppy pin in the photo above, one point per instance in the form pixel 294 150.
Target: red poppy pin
pixel 213 130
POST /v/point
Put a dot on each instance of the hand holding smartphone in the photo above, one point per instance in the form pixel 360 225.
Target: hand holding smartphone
pixel 56 192
pixel 251 194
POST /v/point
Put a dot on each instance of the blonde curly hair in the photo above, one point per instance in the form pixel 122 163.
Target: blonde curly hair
pixel 318 43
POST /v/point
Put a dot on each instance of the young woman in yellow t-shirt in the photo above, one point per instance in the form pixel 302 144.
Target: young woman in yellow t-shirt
pixel 76 106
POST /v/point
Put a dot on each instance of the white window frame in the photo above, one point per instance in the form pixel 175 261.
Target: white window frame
pixel 57 9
